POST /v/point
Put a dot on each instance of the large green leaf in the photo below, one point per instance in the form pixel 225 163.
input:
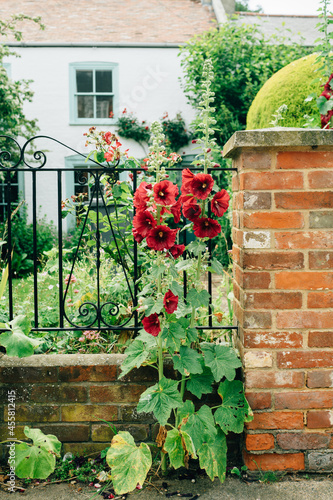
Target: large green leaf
pixel 160 399
pixel 136 354
pixel 37 460
pixel 173 334
pixel 200 383
pixel 198 299
pixel 234 410
pixel 184 411
pixel 222 360
pixel 179 444
pixel 213 456
pixel 173 445
pixel 129 463
pixel 16 342
pixel 188 361
pixel 200 426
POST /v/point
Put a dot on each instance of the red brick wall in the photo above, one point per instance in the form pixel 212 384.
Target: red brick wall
pixel 283 285
pixel 67 395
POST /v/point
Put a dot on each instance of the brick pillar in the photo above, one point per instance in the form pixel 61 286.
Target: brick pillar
pixel 283 286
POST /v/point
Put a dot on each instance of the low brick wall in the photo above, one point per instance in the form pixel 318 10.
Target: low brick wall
pixel 67 395
pixel 283 286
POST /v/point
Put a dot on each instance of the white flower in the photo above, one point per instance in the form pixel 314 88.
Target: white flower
pixel 50 287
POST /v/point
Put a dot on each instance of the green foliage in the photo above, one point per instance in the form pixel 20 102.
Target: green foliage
pixel 16 340
pixel 14 94
pixel 23 241
pixel 130 127
pixel 243 59
pixel 234 410
pixel 129 463
pixel 243 6
pixel 176 134
pixel 289 86
pixel 36 460
pixel 213 456
pixel 160 399
pixel 323 43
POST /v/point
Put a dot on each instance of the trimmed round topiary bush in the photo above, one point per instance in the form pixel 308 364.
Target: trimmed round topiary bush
pixel 291 85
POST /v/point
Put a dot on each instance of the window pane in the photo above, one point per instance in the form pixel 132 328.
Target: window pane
pixel 103 81
pixel 84 81
pixel 85 106
pixel 104 106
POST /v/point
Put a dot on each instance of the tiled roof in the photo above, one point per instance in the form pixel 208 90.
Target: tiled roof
pixel 291 26
pixel 119 21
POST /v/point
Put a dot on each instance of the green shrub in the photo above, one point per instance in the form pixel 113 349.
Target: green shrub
pixel 291 86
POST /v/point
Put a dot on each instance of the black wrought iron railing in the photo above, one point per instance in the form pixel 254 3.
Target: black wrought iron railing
pixel 96 309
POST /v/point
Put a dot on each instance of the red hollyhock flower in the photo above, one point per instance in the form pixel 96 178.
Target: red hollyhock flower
pixel 170 302
pixel 201 185
pixel 143 222
pixel 165 193
pixel 152 324
pixel 138 237
pixel 220 203
pixel 161 238
pixel 191 209
pixel 187 177
pixel 141 196
pixel 206 228
pixel 176 251
pixel 175 210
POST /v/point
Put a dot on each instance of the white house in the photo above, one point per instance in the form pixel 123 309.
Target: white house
pixel 98 56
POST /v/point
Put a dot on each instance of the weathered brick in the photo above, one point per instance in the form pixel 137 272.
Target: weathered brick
pixel 320 300
pixel 259 400
pixel 322 219
pixel 22 392
pixel 302 160
pixel 256 201
pixel 274 220
pixel 270 180
pixel 303 280
pixel 320 419
pixel 273 379
pixel 307 200
pixel 320 179
pixel 321 461
pixel 129 414
pixel 35 413
pixel 257 280
pixel 303 400
pixel 257 319
pixel 142 374
pixel 117 393
pixel 273 340
pixel 88 413
pixel 28 374
pixel 304 319
pixel 256 239
pixel 235 182
pixel 101 432
pixel 18 432
pixel 320 339
pixel 277 420
pixel 102 373
pixel 274 260
pixel 273 300
pixel 258 359
pixel 237 255
pixel 257 442
pixel 302 441
pixel 321 260
pixel 304 359
pixel 59 394
pixel 275 461
pixel 67 432
pixel 303 239
pixel 320 378
pixel 256 161
pixel 238 201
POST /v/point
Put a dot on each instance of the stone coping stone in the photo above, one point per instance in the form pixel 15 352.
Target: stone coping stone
pixel 48 360
pixel 277 137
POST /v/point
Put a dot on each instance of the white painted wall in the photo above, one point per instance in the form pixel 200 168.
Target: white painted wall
pixel 148 82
